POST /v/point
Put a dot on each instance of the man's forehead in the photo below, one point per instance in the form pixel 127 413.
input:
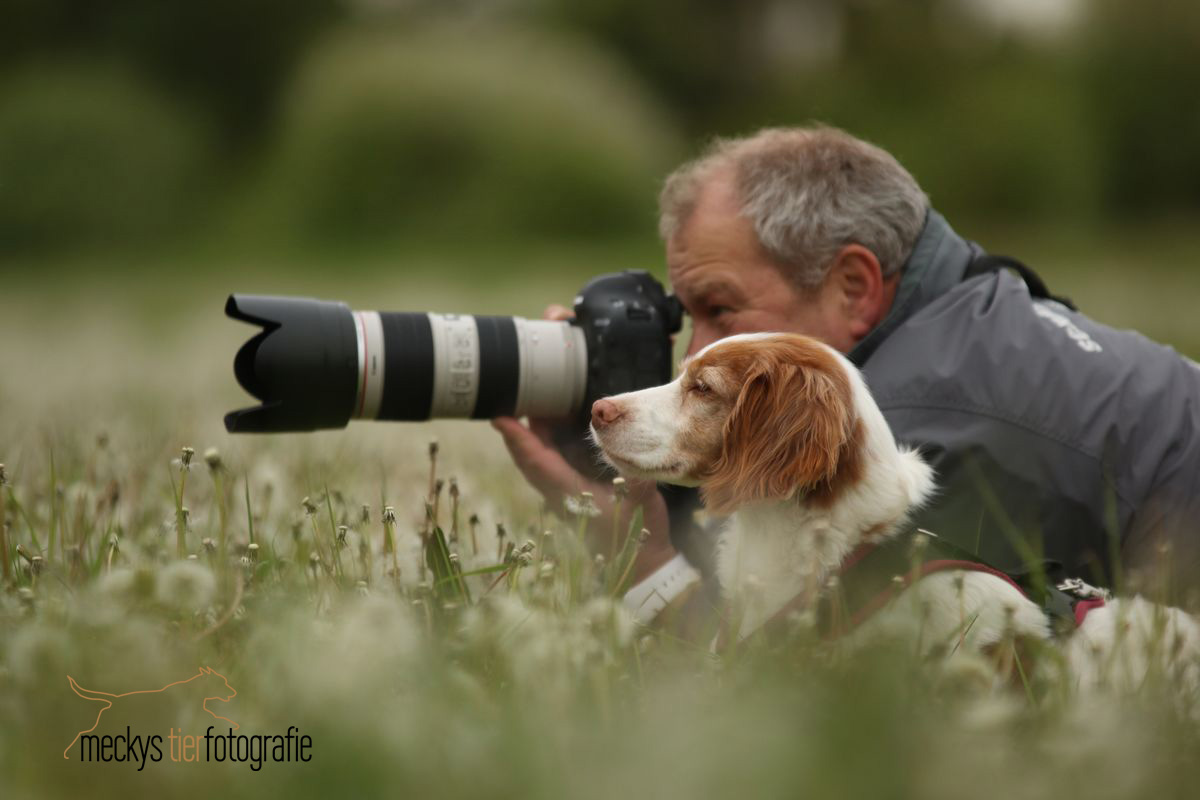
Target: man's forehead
pixel 700 282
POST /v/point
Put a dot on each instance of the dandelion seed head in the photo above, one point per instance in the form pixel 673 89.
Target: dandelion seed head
pixel 309 507
pixel 620 487
pixel 185 457
pixel 389 515
pixel 3 476
pixel 212 457
pixel 805 620
pixel 643 535
pixel 36 652
pixel 582 506
pixel 185 585
pixel 433 448
pixel 208 544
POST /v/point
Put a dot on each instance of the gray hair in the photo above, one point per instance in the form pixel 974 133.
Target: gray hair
pixel 809 192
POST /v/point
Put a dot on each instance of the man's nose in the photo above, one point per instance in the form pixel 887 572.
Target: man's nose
pixel 605 412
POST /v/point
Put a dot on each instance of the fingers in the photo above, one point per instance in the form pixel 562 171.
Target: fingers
pixel 551 475
pixel 558 313
pixel 543 429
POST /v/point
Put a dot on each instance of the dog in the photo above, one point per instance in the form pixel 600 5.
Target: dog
pixel 782 436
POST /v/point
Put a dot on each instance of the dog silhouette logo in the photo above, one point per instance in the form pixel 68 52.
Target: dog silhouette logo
pixel 108 700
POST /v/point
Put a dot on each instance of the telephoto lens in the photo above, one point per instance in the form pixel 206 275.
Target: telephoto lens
pixel 317 364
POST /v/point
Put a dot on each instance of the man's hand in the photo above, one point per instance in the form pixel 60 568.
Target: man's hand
pixel 533 451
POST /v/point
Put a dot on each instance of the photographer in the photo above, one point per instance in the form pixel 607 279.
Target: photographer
pixel 1054 437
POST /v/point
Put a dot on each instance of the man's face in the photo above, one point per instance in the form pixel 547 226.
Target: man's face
pixel 729 284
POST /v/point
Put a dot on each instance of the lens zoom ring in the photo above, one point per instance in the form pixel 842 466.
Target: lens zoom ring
pixel 499 367
pixel 408 375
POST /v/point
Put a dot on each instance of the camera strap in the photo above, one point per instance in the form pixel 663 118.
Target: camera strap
pixel 984 264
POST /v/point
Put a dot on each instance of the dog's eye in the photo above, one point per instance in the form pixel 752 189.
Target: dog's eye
pixel 700 387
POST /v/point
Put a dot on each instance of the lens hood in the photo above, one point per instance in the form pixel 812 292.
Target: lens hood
pixel 302 366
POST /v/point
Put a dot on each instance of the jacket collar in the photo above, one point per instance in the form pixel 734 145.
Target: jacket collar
pixel 937 263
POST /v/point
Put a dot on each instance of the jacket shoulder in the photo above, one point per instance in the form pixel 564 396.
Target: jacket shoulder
pixel 987 352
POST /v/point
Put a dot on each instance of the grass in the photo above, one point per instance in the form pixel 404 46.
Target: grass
pixel 419 614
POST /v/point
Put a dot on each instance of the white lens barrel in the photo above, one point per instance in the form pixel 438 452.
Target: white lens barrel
pixel 441 368
pixel 553 368
pixel 455 365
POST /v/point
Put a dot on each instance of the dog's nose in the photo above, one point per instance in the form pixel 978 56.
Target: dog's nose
pixel 605 412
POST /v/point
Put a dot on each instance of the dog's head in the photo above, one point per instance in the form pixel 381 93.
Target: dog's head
pixel 750 418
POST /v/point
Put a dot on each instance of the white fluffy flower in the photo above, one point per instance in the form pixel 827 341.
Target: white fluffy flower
pixel 185 585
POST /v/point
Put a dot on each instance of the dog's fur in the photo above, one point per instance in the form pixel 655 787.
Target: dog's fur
pixel 780 432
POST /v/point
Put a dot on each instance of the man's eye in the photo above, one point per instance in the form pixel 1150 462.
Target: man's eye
pixel 716 311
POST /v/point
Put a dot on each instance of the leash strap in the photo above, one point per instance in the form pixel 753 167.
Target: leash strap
pixel 876 572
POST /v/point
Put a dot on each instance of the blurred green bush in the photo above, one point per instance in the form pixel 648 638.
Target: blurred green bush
pixel 451 132
pixel 91 156
pixel 989 145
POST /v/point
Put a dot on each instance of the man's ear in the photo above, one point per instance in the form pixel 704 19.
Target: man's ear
pixel 788 430
pixel 864 296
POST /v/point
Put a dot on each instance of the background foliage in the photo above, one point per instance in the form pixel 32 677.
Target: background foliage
pixel 544 117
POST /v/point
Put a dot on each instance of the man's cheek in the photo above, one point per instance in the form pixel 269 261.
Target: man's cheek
pixel 703 334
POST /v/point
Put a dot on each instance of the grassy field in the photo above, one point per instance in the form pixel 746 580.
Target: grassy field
pixel 272 560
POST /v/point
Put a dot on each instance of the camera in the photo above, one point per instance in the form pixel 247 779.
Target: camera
pixel 316 364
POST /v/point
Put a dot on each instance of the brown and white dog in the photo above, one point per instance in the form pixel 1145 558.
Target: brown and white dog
pixel 780 432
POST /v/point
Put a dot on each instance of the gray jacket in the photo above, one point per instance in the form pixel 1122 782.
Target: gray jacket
pixel 1053 436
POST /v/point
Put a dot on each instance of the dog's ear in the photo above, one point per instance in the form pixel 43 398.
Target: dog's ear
pixel 792 428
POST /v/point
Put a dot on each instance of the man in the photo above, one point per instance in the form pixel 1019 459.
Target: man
pixel 1054 438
